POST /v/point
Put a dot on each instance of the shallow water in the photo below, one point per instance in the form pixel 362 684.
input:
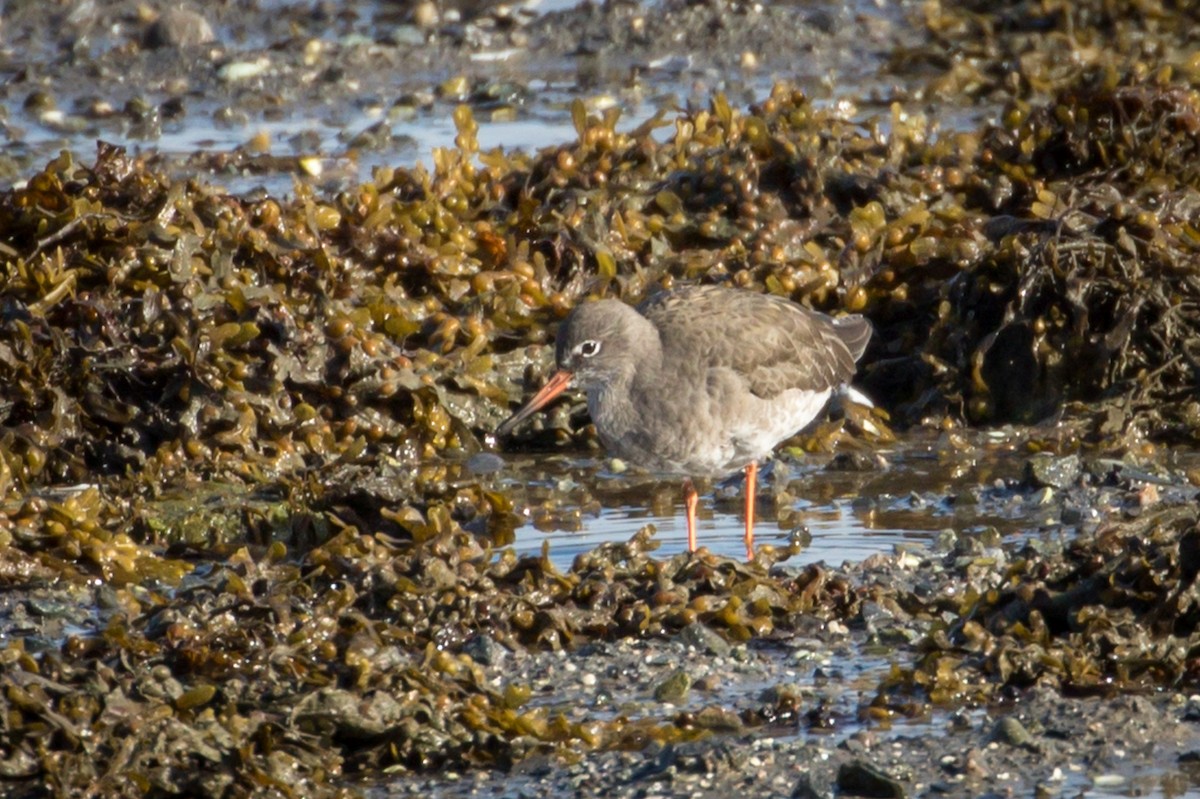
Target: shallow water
pixel 907 496
pixel 838 532
pixel 322 125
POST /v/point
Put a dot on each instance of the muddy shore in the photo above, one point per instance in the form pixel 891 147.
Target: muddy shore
pixel 256 537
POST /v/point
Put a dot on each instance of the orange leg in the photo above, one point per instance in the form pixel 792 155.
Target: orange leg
pixel 690 500
pixel 751 491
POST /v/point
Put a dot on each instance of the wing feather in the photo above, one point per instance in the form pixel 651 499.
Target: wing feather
pixel 773 344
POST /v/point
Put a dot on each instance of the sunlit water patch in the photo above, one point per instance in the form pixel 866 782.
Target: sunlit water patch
pixel 920 495
pixel 835 532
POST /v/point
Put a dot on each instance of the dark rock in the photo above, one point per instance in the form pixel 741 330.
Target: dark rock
pixel 859 778
pixel 485 650
pixel 854 462
pixel 1189 556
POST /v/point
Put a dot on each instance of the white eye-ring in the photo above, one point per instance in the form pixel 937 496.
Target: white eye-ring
pixel 588 348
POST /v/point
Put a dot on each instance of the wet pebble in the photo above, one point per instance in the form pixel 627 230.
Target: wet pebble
pixel 861 778
pixel 236 71
pixel 485 650
pixel 1040 498
pixel 1191 711
pixel 675 688
pixel 813 785
pixel 230 117
pixel 874 615
pixel 946 540
pixel 856 461
pixel 1050 471
pixel 705 640
pixel 1009 730
pixel 178 27
pixel 405 36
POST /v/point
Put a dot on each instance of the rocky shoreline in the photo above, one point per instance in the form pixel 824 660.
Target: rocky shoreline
pixel 245 545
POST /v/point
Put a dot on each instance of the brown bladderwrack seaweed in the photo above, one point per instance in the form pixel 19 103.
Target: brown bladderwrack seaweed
pixel 170 329
pixel 1116 612
pixel 339 354
pixel 1101 303
pixel 1080 282
pixel 274 671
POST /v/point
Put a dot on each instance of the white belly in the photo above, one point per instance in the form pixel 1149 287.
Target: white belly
pixel 755 435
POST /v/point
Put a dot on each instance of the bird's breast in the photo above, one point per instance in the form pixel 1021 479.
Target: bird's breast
pixel 701 429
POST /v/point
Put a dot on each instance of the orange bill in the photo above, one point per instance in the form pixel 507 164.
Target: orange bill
pixel 557 385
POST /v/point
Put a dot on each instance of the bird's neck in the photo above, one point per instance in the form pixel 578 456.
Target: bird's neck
pixel 614 414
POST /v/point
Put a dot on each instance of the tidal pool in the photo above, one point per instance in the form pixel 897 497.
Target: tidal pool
pixel 845 507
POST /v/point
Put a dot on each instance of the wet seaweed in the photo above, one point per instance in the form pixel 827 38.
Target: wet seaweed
pixel 262 407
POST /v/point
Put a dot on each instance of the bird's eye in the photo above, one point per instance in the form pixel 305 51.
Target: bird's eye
pixel 589 348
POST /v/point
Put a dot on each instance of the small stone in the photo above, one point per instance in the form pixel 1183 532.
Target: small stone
pixel 946 540
pixel 1050 471
pixel 874 615
pixel 718 718
pixel 860 778
pixel 1072 514
pixel 236 71
pixel 486 651
pixel 703 639
pixel 1011 731
pixel 674 688
pixel 425 14
pixel 813 786
pixel 178 27
pixel 1191 711
pixel 405 36
pixel 1043 496
pixel 835 627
